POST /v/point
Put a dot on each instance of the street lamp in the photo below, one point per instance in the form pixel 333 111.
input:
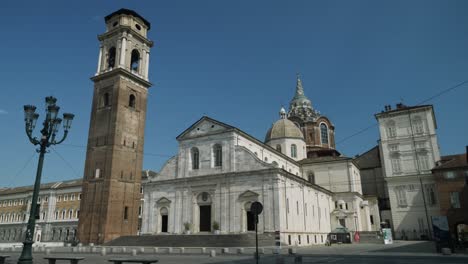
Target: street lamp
pixel 49 132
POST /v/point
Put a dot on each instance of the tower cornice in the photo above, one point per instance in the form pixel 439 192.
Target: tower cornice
pixel 121 72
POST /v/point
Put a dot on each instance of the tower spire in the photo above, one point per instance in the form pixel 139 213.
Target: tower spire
pixel 299 88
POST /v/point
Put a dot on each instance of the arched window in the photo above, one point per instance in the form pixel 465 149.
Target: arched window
pixel 135 60
pixel 195 159
pixel 218 155
pixel 131 101
pixel 63 214
pixel 278 147
pixel 70 214
pixel 324 133
pixel 111 58
pixel 294 151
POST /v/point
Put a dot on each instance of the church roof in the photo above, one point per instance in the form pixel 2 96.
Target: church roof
pixel 227 127
pixel 283 128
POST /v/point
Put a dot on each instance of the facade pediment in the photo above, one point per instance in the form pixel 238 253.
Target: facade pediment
pixel 163 202
pixel 204 126
pixel 248 195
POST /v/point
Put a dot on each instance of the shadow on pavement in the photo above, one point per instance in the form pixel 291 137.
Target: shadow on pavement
pixel 418 247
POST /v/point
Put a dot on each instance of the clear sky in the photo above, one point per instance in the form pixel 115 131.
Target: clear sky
pixel 235 61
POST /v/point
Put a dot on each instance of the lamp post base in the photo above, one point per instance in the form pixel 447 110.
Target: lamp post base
pixel 26 254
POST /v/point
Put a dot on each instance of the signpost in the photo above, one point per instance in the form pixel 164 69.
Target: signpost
pixel 256 208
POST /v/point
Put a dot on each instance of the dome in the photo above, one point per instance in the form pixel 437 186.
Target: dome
pixel 283 128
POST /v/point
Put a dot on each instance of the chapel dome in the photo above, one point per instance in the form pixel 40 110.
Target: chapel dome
pixel 283 128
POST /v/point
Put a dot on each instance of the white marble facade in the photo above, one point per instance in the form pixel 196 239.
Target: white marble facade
pixel 219 171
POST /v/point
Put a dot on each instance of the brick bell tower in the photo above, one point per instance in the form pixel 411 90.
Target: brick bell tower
pixel 114 156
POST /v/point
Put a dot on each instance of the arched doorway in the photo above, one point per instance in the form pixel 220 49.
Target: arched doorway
pixel 204 203
pixel 164 219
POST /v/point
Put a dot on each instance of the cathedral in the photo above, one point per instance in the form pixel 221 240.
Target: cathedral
pixel 307 188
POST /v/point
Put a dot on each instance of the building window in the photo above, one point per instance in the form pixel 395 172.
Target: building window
pixel 97 174
pixel 391 130
pixel 111 58
pixel 70 214
pixel 126 213
pixel 45 198
pixel 135 61
pixel 77 213
pixel 396 167
pixel 449 175
pixel 218 155
pixel 430 194
pixel 139 211
pixel 79 196
pixel 195 159
pixel 65 197
pixel 278 148
pixel 418 127
pixel 287 205
pixel 56 215
pixel 59 198
pixel 324 133
pixel 401 196
pixel 294 151
pixel 72 197
pixel 63 214
pixel 311 177
pixel 371 219
pixel 423 162
pixel 393 147
pixel 131 101
pixel 105 101
pixel 455 199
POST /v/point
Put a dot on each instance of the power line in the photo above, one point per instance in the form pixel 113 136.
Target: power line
pixel 449 89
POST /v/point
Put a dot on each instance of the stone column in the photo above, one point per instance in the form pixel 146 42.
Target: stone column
pixel 99 61
pixel 147 65
pixel 122 52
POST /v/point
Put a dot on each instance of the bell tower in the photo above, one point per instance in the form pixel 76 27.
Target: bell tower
pixel 114 156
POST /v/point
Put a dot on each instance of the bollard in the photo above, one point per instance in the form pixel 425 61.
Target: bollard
pixel 169 250
pixel 297 259
pixel 182 250
pixel 240 251
pixel 213 253
pixel 93 250
pixel 134 252
pixel 142 250
pixel 225 250
pixel 261 251
pixel 203 250
pixel 156 250
pixel 292 251
pixel 124 250
pixel 103 251
pixel 47 252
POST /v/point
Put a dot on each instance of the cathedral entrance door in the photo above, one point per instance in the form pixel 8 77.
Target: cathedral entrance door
pixel 205 218
pixel 250 221
pixel 164 223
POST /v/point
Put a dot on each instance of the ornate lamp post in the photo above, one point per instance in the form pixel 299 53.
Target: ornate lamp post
pixel 51 126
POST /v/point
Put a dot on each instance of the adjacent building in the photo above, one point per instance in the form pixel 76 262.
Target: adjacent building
pixel 57 220
pixel 451 176
pixel 409 150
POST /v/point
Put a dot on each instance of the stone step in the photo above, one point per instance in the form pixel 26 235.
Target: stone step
pixel 205 240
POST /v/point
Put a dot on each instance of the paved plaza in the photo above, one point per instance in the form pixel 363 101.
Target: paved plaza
pixel 400 252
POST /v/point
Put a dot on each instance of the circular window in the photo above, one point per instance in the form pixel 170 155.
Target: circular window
pixel 137 26
pixel 115 24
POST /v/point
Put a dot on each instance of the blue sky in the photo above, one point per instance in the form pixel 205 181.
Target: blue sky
pixel 235 61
